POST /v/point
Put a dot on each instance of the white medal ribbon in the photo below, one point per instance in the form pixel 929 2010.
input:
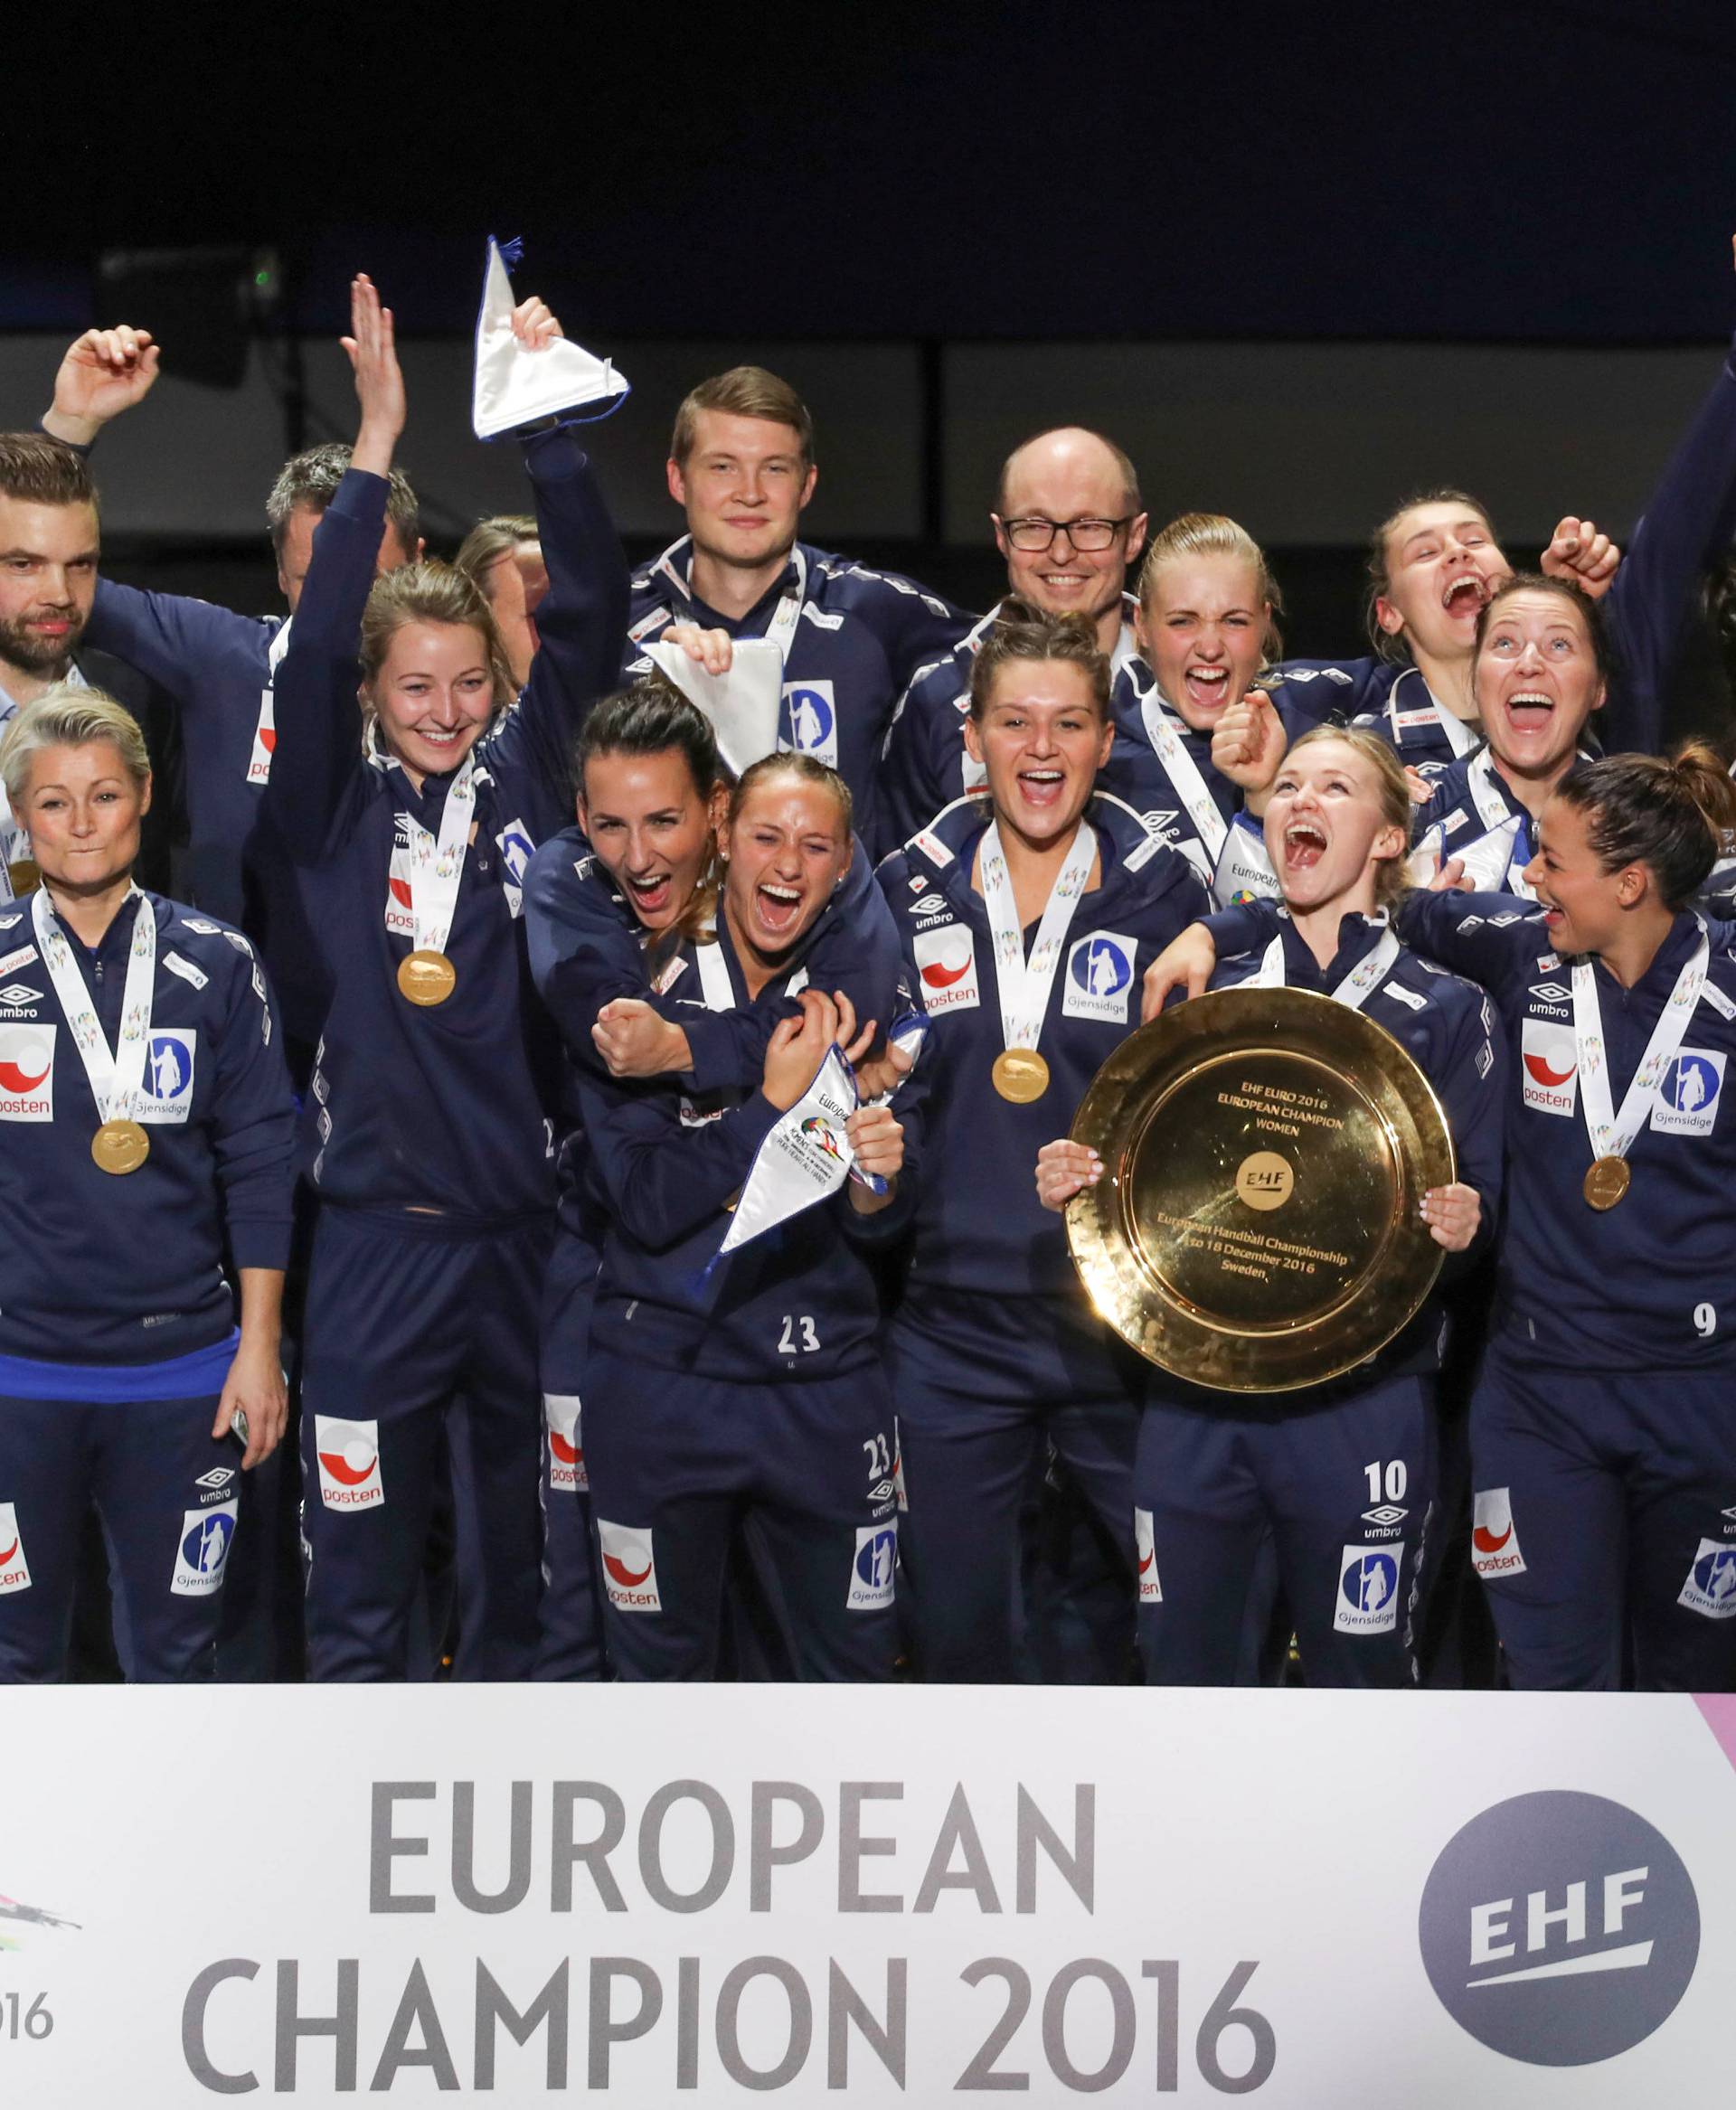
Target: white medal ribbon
pixel 1024 986
pixel 1496 814
pixel 1354 991
pixel 116 1074
pixel 714 983
pixel 258 762
pixel 1612 1135
pixel 436 867
pixel 1184 773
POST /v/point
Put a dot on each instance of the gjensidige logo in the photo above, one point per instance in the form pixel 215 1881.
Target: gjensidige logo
pixel 1559 1928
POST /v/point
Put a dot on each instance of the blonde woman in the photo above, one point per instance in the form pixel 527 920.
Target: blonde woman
pixel 435 1096
pixel 148 1132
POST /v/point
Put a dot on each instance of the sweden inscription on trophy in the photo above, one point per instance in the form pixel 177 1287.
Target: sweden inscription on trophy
pixel 1255 1227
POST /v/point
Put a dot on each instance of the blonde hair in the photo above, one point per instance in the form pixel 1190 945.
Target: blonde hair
pixel 744 391
pixel 430 592
pixel 70 716
pixel 1391 874
pixel 1214 535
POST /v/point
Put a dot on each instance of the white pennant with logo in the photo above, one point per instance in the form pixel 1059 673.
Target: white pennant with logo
pixel 1025 985
pixel 116 1074
pixel 265 734
pixel 1613 1134
pixel 1506 833
pixel 437 865
pixel 805 1158
pixel 1354 991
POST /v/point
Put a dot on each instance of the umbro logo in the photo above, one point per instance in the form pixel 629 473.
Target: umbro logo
pixel 16 993
pixel 1159 824
pixel 1388 1513
pixel 929 905
pixel 1549 992
pixel 219 1476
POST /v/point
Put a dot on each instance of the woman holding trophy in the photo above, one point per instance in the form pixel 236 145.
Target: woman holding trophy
pixel 1340 1473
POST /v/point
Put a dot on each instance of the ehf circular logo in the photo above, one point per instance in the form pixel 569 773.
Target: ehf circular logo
pixel 1100 967
pixel 1368 1584
pixel 1559 1928
pixel 811 719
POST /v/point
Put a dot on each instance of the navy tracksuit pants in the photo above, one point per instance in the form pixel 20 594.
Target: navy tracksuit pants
pixel 167 1496
pixel 974 1410
pixel 1344 1485
pixel 422 1353
pixel 570 1640
pixel 1605 1519
pixel 679 1464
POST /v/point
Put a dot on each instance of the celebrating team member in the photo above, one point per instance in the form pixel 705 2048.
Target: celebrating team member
pixel 1543 667
pixel 1196 744
pixel 994 1345
pixel 504 558
pixel 219 670
pixel 1435 561
pixel 733 1373
pixel 1069 520
pixel 1600 1432
pixel 1342 1475
pixel 742 464
pixel 436 1090
pixel 165 1140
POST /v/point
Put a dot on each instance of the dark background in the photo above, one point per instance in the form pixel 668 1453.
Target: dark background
pixel 1535 173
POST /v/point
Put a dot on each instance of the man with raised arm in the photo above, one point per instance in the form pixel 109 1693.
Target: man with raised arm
pixel 742 464
pixel 220 668
pixel 1069 520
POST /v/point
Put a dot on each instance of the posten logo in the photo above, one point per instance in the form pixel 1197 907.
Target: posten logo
pixel 1559 1928
pixel 1264 1181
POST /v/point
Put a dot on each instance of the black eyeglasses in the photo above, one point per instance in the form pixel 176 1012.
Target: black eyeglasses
pixel 1034 533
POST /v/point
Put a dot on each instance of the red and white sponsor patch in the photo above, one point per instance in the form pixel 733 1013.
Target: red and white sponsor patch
pixel 945 963
pixel 1151 1591
pixel 14 1570
pixel 629 1567
pixel 566 1443
pixel 27 1072
pixel 265 740
pixel 1495 1542
pixel 348 1455
pixel 1551 1065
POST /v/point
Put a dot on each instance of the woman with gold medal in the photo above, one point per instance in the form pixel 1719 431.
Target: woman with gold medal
pixel 148 1130
pixel 435 1097
pixel 1027 916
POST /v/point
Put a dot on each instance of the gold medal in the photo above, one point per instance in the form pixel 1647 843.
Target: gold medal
pixel 121 1147
pixel 25 877
pixel 1021 1075
pixel 427 977
pixel 1606 1182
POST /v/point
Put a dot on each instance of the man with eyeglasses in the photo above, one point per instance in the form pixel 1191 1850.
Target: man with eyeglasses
pixel 742 467
pixel 1067 520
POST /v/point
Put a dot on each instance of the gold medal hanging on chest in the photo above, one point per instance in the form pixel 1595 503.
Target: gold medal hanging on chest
pixel 427 977
pixel 1020 1075
pixel 1606 1182
pixel 121 1147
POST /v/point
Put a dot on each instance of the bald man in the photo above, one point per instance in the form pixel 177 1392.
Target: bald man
pixel 1067 520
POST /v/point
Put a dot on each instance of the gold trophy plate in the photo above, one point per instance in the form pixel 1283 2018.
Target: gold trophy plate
pixel 1257 1225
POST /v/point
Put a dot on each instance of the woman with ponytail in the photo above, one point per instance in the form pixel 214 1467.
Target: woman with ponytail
pixel 435 1094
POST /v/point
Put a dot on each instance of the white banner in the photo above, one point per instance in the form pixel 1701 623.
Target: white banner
pixel 877 1896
